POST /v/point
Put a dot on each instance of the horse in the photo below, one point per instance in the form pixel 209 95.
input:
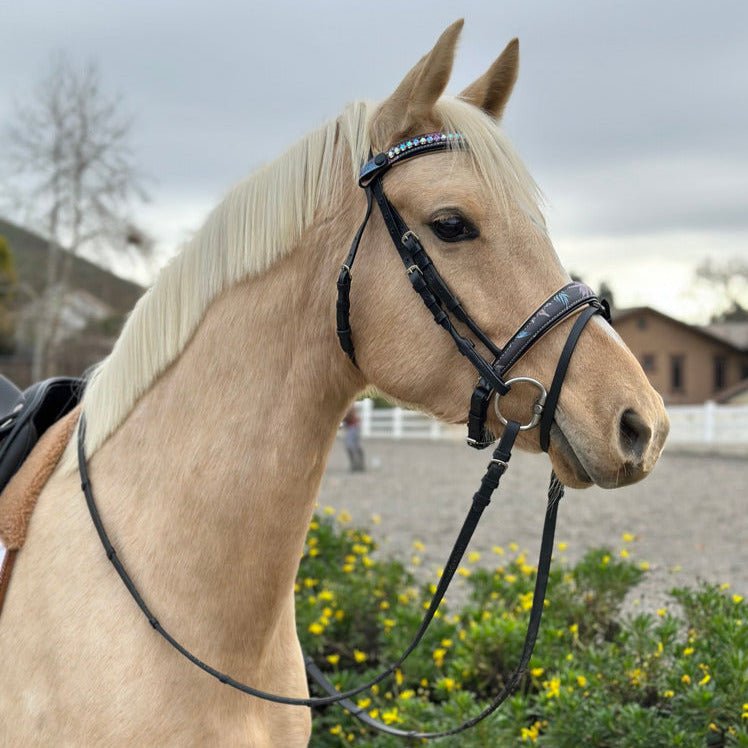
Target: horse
pixel 209 424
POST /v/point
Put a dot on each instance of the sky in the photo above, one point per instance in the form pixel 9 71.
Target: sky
pixel 632 116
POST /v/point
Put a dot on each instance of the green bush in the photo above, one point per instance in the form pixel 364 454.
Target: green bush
pixel 597 678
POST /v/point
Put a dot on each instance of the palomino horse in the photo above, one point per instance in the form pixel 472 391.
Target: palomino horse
pixel 210 422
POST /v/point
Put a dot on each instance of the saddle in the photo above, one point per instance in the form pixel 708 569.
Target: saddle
pixel 26 417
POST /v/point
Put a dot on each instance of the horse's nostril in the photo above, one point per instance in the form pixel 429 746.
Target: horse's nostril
pixel 634 434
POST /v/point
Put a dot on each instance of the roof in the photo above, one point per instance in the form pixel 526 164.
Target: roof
pixel 703 332
pixel 735 333
pixel 30 251
pixel 724 396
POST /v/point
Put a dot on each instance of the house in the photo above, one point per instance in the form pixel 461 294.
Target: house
pixel 685 363
pixel 93 310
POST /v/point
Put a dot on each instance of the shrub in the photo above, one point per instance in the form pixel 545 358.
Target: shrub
pixel 597 678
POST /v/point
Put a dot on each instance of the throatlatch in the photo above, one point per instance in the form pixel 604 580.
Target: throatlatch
pixel 444 306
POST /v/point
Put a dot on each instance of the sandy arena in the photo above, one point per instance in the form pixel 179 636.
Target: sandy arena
pixel 689 517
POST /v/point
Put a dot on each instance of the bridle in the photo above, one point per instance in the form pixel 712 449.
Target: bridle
pixel 443 305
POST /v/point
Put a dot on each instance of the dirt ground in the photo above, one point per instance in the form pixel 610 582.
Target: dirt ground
pixel 689 517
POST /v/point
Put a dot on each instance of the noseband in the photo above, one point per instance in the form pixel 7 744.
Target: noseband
pixel 493 382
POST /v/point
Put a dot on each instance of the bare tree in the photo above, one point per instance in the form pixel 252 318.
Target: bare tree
pixel 73 173
pixel 730 279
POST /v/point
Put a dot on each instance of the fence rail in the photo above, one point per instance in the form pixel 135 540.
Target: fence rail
pixel 689 424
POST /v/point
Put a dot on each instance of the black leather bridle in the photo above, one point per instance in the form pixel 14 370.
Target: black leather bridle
pixel 443 305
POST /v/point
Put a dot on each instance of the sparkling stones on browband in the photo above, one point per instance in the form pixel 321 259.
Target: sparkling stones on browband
pixel 432 138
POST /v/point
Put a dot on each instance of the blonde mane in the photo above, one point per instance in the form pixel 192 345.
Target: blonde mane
pixel 258 222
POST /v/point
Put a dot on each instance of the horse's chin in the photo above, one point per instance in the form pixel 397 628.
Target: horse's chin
pixel 566 464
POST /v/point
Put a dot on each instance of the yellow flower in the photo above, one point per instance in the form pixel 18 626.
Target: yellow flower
pixel 688 651
pixel 536 672
pixel 390 716
pixel 359 656
pixel 314 552
pixel 574 628
pixel 562 546
pixel 513 547
pixel 344 517
pixel 498 550
pixel 737 599
pixel 448 684
pixel 705 679
pixel 359 549
pixel 363 702
pixel 552 688
pixel 329 510
pixel 374 713
pixel 418 546
pixel 581 681
pixel 686 678
pixel 530 733
pixel 463 572
pixel 661 612
pixel 389 622
pixel 347 568
pixel 525 600
pixel 296 587
pixel 415 560
pixel 447 643
pixel 309 582
pixel 316 628
pixel 339 615
pixel 333 659
pixel 409 693
pixel 725 586
pixel 605 560
pixel 668 694
pixel 511 578
pixel 644 565
pixel 399 677
pixel 713 727
pixel 326 596
pixel 314 525
pixel 636 676
pixel 336 730
pixel 438 656
pixel 376 519
pixel 624 553
pixel 473 557
pixel 628 537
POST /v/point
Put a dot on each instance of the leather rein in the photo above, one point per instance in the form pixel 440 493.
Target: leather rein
pixel 444 306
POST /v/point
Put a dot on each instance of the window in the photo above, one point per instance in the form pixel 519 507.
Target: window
pixel 677 366
pixel 649 362
pixel 720 372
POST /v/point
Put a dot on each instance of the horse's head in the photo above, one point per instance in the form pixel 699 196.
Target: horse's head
pixel 475 211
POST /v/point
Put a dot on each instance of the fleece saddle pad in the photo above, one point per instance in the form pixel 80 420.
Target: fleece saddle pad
pixel 18 499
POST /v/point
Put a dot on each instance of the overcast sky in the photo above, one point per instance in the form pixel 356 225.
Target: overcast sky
pixel 632 116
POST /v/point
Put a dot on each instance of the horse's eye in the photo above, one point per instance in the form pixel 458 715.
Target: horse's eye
pixel 453 228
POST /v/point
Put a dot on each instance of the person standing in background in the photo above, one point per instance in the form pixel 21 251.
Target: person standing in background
pixel 352 426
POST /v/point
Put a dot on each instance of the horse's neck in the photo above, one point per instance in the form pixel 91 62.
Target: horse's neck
pixel 208 487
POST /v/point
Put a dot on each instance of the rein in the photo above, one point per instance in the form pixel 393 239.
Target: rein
pixel 443 305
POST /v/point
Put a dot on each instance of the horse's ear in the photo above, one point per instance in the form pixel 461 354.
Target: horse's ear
pixel 492 90
pixel 416 95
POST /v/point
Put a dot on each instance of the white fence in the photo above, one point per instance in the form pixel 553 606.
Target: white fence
pixel 689 424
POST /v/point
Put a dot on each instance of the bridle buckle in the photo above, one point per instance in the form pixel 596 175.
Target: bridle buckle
pixel 409 235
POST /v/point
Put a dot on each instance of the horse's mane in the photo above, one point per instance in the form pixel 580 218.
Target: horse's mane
pixel 258 222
